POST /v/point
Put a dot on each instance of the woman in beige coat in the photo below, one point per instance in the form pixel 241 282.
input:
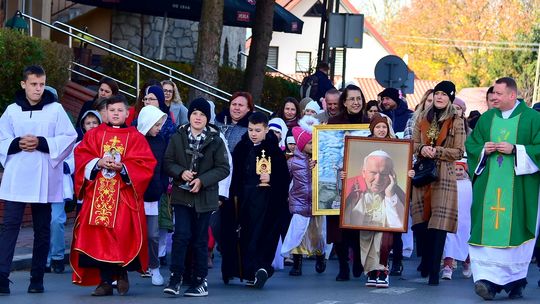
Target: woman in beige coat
pixel 439 134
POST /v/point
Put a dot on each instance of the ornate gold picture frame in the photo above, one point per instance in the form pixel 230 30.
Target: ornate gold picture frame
pixel 328 150
pixel 376 187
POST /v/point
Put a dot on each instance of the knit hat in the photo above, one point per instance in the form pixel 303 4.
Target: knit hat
pixel 303 103
pixel 158 92
pixel 391 93
pixel 277 124
pixel 303 133
pixel 375 120
pixel 313 105
pixel 200 104
pixel 463 163
pixel 461 103
pixel 447 87
pixel 290 140
pixel 147 118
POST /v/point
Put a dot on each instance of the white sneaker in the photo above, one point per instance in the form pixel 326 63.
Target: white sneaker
pixel 157 278
pixel 446 273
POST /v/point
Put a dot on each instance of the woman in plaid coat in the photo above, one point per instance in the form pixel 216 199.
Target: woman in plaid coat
pixel 439 134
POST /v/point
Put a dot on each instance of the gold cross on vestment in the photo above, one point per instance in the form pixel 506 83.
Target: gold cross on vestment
pixel 498 208
pixel 114 141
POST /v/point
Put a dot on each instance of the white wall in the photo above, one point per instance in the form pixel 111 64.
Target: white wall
pixel 360 62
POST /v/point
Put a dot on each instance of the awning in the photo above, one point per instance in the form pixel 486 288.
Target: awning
pixel 240 13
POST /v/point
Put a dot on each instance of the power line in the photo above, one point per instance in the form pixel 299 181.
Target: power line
pixel 470 41
pixel 467 46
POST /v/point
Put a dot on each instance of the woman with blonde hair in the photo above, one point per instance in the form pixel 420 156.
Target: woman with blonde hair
pixel 174 102
pixel 425 101
pixel 439 137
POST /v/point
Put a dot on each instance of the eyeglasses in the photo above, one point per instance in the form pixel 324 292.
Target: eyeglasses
pixel 168 91
pixel 149 99
pixel 357 98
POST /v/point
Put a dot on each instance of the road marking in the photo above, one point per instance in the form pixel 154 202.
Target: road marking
pixel 393 290
pixel 328 302
pixel 419 280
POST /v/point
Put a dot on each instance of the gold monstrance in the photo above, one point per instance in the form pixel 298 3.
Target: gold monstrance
pixel 263 165
pixel 433 132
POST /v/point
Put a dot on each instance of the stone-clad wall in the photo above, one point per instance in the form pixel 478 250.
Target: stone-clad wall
pixel 181 37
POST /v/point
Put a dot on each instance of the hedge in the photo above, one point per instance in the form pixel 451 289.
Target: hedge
pixel 18 51
pixel 230 80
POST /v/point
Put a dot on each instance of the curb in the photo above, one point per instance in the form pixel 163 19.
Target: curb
pixel 24 261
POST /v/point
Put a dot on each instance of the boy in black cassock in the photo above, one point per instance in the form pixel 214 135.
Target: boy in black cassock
pixel 258 207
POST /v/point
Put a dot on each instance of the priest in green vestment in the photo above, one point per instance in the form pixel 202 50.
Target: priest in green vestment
pixel 504 156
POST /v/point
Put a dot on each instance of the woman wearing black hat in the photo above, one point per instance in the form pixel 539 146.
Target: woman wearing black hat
pixel 439 135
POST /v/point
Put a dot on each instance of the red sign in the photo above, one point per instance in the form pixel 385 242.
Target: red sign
pixel 242 16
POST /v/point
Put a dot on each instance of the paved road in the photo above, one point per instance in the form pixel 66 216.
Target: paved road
pixel 311 288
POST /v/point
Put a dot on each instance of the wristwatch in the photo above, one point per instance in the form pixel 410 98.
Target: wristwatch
pixel 514 149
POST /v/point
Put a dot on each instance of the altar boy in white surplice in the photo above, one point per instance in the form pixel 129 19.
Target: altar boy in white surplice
pixel 36 136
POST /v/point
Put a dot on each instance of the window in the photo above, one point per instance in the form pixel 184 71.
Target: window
pixel 338 70
pixel 303 62
pixel 273 57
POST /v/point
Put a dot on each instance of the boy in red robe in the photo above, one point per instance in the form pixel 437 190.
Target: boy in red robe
pixel 113 166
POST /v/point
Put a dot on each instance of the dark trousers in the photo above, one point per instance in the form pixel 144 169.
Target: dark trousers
pixel 41 218
pixel 190 228
pixel 397 248
pixel 432 247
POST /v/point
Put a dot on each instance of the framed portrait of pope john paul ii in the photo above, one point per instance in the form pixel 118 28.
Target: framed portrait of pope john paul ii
pixel 376 188
pixel 328 151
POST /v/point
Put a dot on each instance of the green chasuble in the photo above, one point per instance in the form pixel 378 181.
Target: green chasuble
pixel 505 205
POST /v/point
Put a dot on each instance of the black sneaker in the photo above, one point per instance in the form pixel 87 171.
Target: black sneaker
pixel 175 283
pixel 372 278
pixel 397 269
pixel 382 279
pixel 320 264
pixel 261 276
pixel 146 274
pixel 36 285
pixel 485 290
pixel 200 289
pixel 516 293
pixel 4 285
pixel 58 266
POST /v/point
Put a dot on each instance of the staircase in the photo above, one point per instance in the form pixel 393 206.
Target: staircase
pixel 74 97
pixel 77 95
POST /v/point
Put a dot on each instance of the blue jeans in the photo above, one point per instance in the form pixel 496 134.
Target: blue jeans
pixel 190 228
pixel 58 243
pixel 13 215
pixel 153 241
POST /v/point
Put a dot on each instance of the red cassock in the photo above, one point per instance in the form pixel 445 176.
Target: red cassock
pixel 111 226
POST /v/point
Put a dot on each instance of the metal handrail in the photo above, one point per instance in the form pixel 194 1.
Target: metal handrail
pixel 97 80
pixel 138 63
pixel 103 75
pixel 273 69
pixel 171 70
